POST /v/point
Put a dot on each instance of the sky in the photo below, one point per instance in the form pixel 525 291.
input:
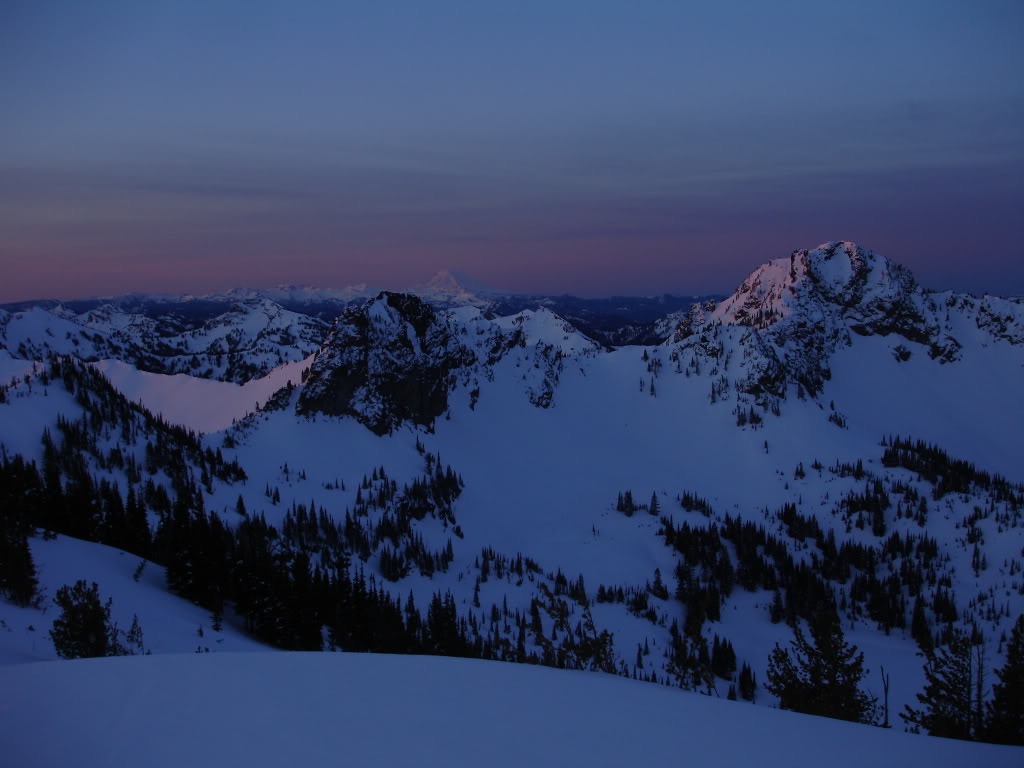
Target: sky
pixel 576 146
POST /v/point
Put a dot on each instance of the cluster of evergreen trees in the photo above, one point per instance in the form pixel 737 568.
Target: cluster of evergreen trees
pixel 20 491
pixel 66 497
pixel 953 703
pixel 851 579
pixel 857 580
pixel 636 599
pixel 822 675
pixel 946 474
pixel 628 507
pixel 869 505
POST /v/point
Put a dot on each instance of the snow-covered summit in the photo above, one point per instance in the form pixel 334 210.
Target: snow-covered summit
pixel 835 280
pixel 790 317
pixel 848 289
pixel 542 326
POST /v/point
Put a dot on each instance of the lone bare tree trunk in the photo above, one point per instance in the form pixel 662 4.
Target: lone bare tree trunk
pixel 979 689
pixel 885 693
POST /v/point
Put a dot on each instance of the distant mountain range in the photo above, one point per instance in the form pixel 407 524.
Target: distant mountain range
pixel 614 321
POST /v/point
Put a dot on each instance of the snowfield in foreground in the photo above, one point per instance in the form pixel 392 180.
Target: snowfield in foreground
pixel 275 709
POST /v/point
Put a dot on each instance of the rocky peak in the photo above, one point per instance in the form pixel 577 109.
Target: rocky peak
pixel 839 283
pixel 680 326
pixel 391 360
pixel 795 312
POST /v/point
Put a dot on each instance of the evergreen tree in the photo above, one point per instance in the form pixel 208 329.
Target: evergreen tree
pixel 723 658
pixel 920 629
pixel 134 637
pixel 1006 710
pixel 21 497
pixel 138 538
pixel 18 581
pixel 777 610
pixel 84 628
pixel 658 589
pixel 822 676
pixel 627 505
pixel 748 683
pixel 947 697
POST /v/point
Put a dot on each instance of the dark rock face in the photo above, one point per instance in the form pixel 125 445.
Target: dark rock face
pixel 390 361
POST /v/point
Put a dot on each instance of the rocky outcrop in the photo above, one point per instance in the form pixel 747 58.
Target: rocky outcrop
pixel 390 361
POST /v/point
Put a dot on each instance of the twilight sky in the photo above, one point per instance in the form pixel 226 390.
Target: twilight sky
pixel 555 146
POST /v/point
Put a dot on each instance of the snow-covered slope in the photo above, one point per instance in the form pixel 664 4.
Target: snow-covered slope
pixel 312 709
pixel 202 405
pixel 170 624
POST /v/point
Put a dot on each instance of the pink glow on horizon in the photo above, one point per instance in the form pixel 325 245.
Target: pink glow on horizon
pixel 699 264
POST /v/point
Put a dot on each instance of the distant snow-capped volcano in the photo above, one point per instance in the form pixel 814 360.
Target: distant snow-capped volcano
pixel 455 289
